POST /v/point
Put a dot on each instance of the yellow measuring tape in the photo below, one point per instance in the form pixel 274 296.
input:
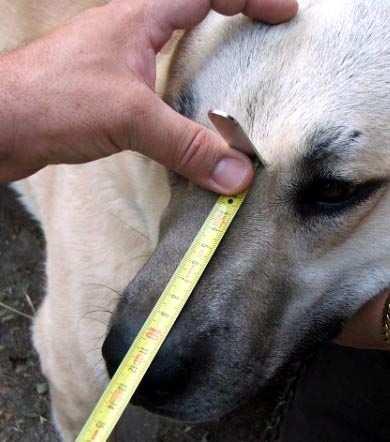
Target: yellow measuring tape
pixel 160 321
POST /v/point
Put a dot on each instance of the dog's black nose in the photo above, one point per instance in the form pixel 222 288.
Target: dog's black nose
pixel 169 374
pixel 115 347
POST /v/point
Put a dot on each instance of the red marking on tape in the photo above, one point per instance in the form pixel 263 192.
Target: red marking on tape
pixel 139 359
pixel 153 333
pixel 116 395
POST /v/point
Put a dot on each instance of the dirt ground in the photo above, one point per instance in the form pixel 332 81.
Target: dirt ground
pixel 24 401
pixel 23 390
pixel 336 380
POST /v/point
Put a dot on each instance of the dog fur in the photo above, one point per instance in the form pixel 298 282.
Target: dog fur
pixel 314 97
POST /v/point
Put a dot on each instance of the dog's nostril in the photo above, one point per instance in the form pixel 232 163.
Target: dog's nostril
pixel 168 375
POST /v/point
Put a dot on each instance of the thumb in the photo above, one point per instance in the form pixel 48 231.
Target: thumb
pixel 187 147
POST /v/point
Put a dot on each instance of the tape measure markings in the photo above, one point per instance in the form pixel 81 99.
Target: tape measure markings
pixel 160 321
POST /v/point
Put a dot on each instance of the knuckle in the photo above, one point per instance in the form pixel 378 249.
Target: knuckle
pixel 128 12
pixel 228 8
pixel 190 156
pixel 138 118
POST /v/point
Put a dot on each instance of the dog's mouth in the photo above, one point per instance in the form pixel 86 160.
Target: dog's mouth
pixel 190 411
pixel 365 330
pixel 176 402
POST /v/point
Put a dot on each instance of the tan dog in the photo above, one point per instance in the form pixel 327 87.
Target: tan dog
pixel 314 96
pixel 104 234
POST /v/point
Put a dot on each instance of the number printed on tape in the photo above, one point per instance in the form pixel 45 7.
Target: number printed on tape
pixel 160 321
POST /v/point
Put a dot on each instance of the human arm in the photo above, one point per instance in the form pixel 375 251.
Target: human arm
pixel 86 91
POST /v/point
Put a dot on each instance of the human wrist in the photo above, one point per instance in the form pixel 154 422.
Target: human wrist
pixel 16 157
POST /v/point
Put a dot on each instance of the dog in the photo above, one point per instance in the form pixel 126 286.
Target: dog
pixel 308 248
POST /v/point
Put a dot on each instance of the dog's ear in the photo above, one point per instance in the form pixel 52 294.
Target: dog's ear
pixel 165 59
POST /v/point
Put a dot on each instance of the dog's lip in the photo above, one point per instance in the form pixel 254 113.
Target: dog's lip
pixel 364 329
pixel 175 413
pixel 168 408
pixel 140 400
pixel 382 292
pixel 377 294
pixel 385 291
pixel 164 407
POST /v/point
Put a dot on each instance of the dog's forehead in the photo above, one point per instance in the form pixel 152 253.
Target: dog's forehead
pixel 320 81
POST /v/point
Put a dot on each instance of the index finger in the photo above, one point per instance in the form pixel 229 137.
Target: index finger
pixel 185 14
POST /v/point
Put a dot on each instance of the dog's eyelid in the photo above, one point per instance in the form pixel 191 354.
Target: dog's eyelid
pixel 337 178
pixel 312 200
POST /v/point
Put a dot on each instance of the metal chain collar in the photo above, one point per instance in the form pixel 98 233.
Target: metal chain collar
pixel 386 321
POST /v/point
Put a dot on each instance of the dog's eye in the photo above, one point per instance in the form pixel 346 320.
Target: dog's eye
pixel 330 196
pixel 332 192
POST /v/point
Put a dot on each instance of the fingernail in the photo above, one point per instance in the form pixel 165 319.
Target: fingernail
pixel 232 175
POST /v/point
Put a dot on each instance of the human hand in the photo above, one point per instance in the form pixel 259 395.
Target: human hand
pixel 365 330
pixel 86 91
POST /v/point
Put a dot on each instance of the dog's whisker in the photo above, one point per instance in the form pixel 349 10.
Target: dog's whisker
pixel 94 349
pixel 110 289
pixel 104 311
pixel 134 229
pixel 100 321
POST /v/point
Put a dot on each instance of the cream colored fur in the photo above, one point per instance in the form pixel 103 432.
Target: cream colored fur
pixel 101 220
pixel 101 224
pixel 99 231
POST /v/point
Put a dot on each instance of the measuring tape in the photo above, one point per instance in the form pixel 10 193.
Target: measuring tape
pixel 129 375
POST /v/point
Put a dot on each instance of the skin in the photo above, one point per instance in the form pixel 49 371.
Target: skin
pixel 70 97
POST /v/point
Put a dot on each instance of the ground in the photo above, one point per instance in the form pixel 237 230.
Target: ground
pixel 335 382
pixel 24 401
pixel 23 391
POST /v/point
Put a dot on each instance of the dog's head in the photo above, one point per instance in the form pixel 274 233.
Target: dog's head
pixel 311 243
